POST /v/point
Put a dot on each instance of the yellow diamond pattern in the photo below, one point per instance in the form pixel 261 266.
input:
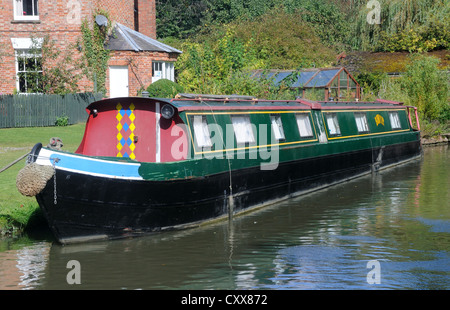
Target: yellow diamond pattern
pixel 119 127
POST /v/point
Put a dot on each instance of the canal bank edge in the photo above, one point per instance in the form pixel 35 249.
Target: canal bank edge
pixel 436 140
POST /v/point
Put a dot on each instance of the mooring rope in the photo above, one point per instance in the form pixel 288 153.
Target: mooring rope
pixel 13 163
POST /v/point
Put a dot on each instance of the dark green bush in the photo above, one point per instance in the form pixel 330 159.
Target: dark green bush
pixel 164 89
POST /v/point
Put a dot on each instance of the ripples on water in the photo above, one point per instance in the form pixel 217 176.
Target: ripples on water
pixel 329 239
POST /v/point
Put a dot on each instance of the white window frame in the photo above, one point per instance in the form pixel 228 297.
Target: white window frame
pixel 243 130
pixel 304 125
pixel 18 10
pixel 163 70
pixel 395 120
pixel 333 124
pixel 277 127
pixel 24 53
pixel 361 122
pixel 201 131
pixel 23 46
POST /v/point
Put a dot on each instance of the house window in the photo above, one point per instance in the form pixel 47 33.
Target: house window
pixel 243 129
pixel 304 125
pixel 29 72
pixel 277 127
pixel 395 120
pixel 163 70
pixel 333 124
pixel 201 131
pixel 361 122
pixel 26 10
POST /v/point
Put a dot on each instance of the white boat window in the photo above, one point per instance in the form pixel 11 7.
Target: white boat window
pixel 395 120
pixel 277 127
pixel 243 129
pixel 333 124
pixel 201 131
pixel 304 125
pixel 361 122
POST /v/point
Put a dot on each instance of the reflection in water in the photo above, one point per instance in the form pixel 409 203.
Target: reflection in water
pixel 23 268
pixel 324 240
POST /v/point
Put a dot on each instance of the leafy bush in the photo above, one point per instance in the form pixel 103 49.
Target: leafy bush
pixel 62 121
pixel 427 86
pixel 226 56
pixel 370 81
pixel 423 86
pixel 164 88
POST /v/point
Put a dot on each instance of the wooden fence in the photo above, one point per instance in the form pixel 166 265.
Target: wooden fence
pixel 38 110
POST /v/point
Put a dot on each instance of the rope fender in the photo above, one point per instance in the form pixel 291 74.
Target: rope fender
pixel 33 178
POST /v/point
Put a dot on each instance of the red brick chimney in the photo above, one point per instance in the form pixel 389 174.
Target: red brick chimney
pixel 146 17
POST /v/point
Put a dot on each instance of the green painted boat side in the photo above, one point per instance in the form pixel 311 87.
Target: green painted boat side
pixel 220 159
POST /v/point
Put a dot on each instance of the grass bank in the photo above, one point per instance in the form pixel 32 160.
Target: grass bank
pixel 18 212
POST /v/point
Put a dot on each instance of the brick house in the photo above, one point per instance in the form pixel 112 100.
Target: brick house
pixel 137 58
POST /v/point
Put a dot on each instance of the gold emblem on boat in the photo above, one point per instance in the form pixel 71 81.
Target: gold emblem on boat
pixel 379 120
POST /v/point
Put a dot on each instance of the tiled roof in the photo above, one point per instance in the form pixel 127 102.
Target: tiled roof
pixel 126 39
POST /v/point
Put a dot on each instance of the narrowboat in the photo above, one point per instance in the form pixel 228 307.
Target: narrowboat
pixel 149 165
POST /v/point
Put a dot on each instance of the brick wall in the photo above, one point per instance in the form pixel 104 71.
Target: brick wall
pixel 61 20
pixel 139 67
pixel 147 17
pixel 121 11
pixel 58 19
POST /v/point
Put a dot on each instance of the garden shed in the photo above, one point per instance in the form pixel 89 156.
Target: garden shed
pixel 322 84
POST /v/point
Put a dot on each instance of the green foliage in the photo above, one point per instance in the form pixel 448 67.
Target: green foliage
pixel 405 25
pixel 185 18
pixel 227 55
pixel 95 54
pixel 164 88
pixel 281 40
pixel 326 18
pixel 62 121
pixel 202 67
pixel 423 86
pixel 52 71
pixel 371 81
pixel 427 87
pixel 179 18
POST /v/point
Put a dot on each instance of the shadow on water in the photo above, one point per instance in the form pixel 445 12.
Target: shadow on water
pixel 324 240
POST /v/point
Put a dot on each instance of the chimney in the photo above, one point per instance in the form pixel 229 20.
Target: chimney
pixel 145 17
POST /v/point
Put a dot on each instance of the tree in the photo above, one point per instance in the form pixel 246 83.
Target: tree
pixel 427 87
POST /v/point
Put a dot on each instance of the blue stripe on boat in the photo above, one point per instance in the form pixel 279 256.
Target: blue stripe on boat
pixel 96 166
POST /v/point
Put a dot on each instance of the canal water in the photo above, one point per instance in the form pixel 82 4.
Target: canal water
pixel 387 231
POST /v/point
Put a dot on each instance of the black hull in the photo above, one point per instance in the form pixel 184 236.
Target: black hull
pixel 91 207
